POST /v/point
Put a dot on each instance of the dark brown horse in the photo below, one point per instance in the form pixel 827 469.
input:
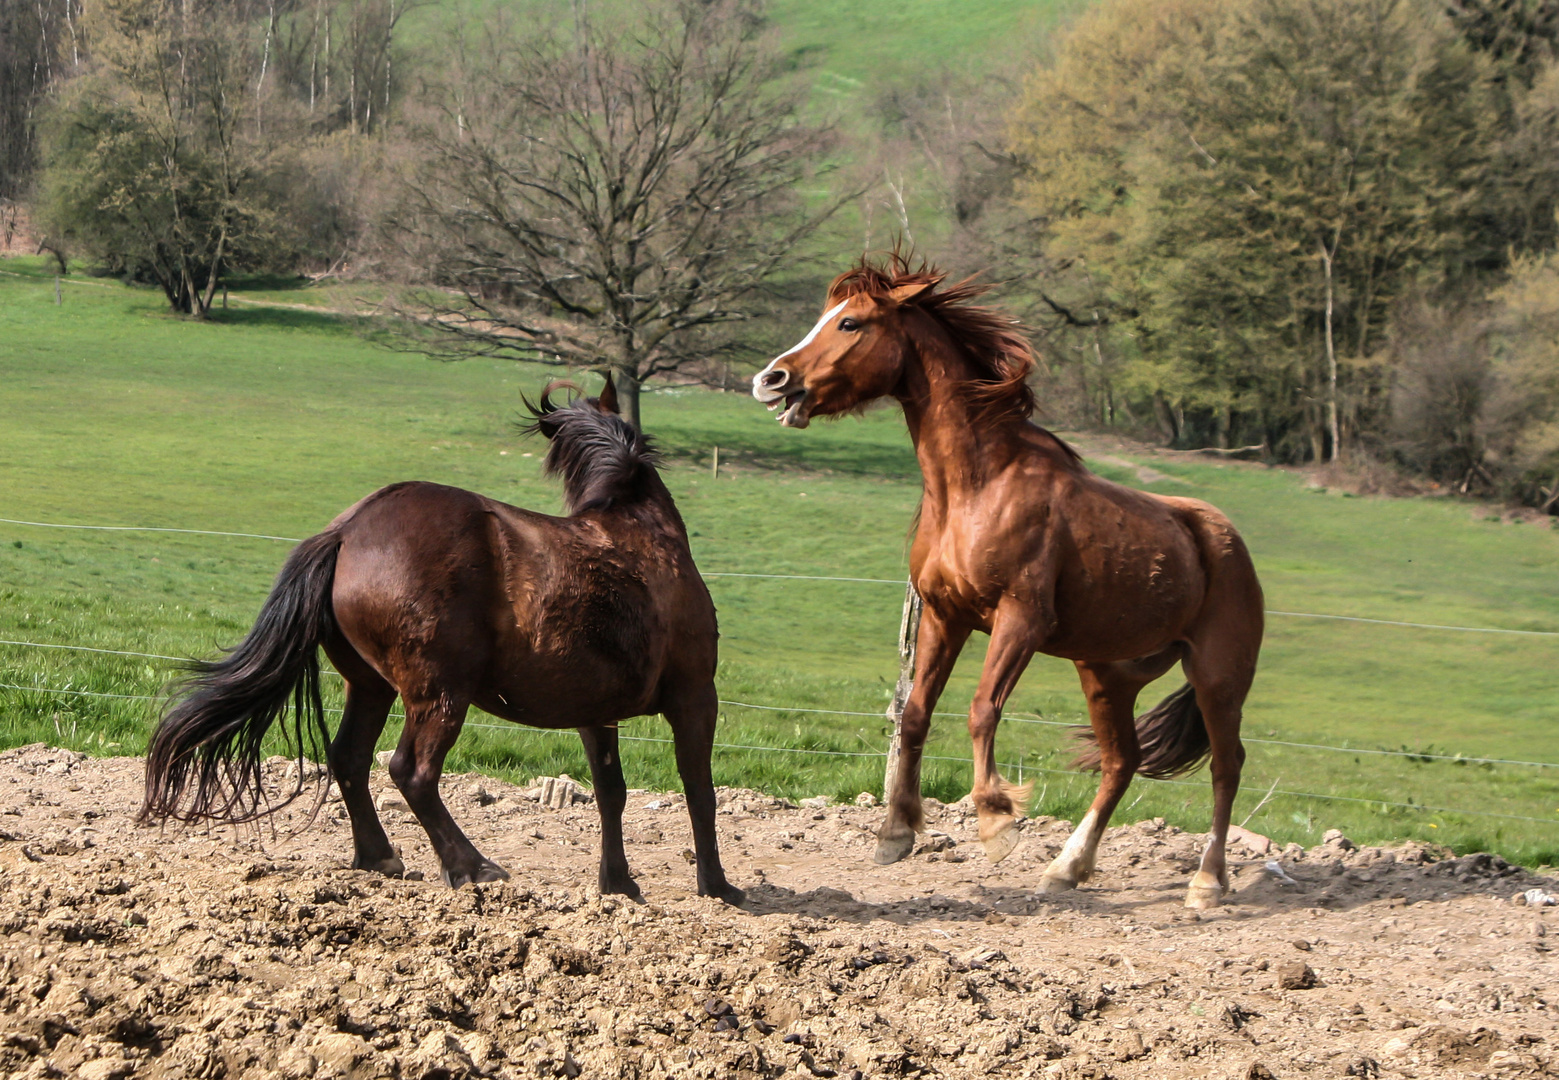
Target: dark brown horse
pixel 1018 540
pixel 449 599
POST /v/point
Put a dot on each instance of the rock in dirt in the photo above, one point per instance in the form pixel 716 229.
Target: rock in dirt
pixel 935 841
pixel 344 1053
pixel 558 792
pixel 1335 840
pixel 1254 843
pixel 390 800
pixel 1295 975
pixel 105 1068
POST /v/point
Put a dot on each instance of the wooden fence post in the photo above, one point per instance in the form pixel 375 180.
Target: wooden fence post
pixel 909 628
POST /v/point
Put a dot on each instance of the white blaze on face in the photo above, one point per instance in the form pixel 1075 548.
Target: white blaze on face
pixel 767 396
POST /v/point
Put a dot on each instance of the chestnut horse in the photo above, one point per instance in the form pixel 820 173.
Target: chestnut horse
pixel 1016 538
pixel 450 599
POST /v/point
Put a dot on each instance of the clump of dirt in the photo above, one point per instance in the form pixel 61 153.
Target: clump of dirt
pixel 135 952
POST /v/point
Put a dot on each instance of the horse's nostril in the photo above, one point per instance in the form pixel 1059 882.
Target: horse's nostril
pixel 773 380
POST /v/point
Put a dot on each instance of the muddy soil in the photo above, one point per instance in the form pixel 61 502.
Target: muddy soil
pixel 136 952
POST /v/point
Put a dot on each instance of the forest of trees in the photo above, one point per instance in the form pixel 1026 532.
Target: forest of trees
pixel 1298 224
pixel 1322 228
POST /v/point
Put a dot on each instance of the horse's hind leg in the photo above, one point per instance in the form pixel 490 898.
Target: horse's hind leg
pixel 368 702
pixel 1220 694
pixel 611 796
pixel 1112 698
pixel 1220 667
pixel 431 729
pixel 693 732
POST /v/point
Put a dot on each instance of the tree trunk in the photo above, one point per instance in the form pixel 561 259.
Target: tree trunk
pixel 214 274
pixel 1331 351
pixel 628 397
pixel 1166 418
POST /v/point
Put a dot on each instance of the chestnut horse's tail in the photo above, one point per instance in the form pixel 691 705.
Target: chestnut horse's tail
pixel 204 760
pixel 1172 736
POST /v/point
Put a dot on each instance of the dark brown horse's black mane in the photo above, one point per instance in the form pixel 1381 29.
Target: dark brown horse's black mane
pixel 989 338
pixel 602 460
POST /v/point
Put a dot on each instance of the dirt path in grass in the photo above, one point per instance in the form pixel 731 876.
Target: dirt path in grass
pixel 134 952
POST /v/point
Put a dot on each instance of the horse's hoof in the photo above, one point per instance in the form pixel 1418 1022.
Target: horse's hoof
pixel 890 849
pixel 391 867
pixel 1056 883
pixel 1000 843
pixel 1205 892
pixel 725 892
pixel 482 873
pixel 1202 899
pixel 628 888
pixel 489 871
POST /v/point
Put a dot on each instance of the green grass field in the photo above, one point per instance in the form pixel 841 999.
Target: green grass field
pixel 272 420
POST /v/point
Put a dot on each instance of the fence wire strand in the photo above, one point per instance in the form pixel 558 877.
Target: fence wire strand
pixel 840 712
pixel 515 729
pixel 1009 717
pixel 799 577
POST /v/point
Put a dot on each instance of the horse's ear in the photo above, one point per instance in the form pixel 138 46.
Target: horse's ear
pixel 908 294
pixel 608 399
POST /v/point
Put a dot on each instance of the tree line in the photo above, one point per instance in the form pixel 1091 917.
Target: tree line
pixel 1323 228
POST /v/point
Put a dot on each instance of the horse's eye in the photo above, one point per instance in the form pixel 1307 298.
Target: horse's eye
pixel 849 325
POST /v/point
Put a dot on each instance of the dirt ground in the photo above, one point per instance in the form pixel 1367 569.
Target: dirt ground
pixel 134 952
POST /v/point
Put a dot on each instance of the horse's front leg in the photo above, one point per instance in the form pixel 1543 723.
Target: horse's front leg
pixel 936 650
pixel 611 795
pixel 998 803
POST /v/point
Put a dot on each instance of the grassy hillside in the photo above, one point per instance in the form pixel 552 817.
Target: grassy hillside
pixel 272 420
pixel 845 48
pixel 850 56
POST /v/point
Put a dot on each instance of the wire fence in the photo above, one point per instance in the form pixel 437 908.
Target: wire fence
pixel 880 755
pixel 807 710
pixel 1011 717
pixel 897 582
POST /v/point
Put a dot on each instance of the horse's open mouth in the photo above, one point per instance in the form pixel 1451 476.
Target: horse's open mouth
pixel 791 415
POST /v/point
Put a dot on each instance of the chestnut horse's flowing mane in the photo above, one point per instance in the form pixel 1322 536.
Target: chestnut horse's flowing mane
pixel 989 338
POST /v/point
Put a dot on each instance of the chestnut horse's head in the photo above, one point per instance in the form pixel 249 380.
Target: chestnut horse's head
pixel 876 319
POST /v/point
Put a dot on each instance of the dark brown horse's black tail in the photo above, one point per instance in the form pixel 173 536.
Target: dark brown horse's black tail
pixel 204 760
pixel 1172 736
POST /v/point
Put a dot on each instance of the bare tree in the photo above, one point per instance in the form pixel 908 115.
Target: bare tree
pixel 609 197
